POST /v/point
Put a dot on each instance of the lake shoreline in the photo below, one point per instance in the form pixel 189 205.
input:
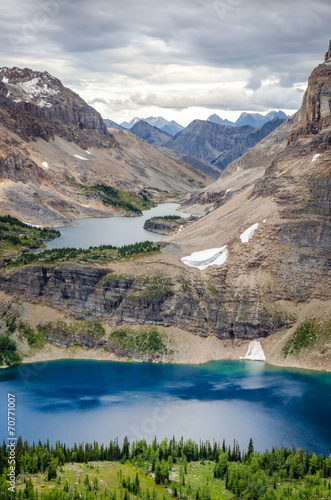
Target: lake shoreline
pixel 53 353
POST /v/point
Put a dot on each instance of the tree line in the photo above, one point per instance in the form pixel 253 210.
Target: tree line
pixel 247 474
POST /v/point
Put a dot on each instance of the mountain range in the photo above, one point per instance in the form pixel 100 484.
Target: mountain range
pixel 254 119
pixel 171 127
pixel 55 148
pixel 216 144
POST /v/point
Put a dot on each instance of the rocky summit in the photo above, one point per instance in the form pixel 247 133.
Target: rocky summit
pixel 35 104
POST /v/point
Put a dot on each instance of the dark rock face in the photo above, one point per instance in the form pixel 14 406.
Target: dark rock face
pixel 35 104
pixel 202 307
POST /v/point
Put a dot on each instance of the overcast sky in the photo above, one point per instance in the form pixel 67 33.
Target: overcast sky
pixel 182 59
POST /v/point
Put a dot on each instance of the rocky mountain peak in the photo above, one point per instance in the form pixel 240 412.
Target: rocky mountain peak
pixel 314 117
pixel 36 104
pixel 328 54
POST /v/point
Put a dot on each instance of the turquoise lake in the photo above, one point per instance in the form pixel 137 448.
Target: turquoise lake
pixel 82 401
pixel 117 231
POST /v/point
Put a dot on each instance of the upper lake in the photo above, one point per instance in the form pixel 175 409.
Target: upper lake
pixel 79 401
pixel 117 231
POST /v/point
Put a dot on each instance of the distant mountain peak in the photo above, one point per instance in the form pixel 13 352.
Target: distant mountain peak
pixel 220 121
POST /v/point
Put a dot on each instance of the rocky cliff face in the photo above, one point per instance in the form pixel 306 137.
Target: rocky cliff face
pixel 283 185
pixel 204 305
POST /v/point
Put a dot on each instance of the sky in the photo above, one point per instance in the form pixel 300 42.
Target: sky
pixel 180 59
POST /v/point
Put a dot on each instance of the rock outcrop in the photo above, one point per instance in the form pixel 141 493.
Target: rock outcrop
pixel 204 305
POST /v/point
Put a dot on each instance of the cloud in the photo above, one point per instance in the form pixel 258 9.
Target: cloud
pixel 171 55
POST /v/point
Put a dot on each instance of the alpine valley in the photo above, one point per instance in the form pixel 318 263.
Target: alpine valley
pixel 248 276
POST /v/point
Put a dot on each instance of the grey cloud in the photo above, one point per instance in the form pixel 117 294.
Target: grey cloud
pixel 128 41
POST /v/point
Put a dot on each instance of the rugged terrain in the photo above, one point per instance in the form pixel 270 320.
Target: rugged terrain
pixel 53 147
pixel 268 217
pixel 219 144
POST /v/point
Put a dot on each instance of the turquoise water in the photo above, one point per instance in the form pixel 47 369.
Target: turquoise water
pixel 117 231
pixel 79 401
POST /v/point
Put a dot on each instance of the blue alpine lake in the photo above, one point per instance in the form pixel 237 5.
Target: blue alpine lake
pixel 116 231
pixel 82 401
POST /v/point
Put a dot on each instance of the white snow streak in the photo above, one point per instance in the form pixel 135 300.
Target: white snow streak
pixel 205 258
pixel 45 164
pixel 227 191
pixel 315 157
pixel 248 234
pixel 81 157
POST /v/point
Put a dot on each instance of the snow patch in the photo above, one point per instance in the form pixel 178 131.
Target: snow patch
pixel 227 191
pixel 205 258
pixel 44 104
pixel 180 228
pixel 81 157
pixel 87 206
pixel 35 87
pixel 45 164
pixel 265 220
pixel 5 79
pixel 255 352
pixel 248 234
pixel 88 152
pixel 315 157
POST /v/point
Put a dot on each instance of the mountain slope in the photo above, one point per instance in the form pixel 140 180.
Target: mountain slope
pixel 35 104
pixel 239 149
pixel 201 165
pixel 280 191
pixel 216 143
pixel 150 134
pixel 111 124
pixel 172 128
pixel 54 147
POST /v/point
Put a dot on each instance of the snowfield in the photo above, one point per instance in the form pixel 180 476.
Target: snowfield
pixel 205 258
pixel 248 234
pixel 255 352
